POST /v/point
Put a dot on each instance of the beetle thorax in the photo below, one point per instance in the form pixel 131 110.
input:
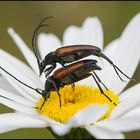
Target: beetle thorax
pixel 48 87
pixel 49 59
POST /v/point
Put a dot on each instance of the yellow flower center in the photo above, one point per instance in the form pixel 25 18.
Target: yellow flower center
pixel 73 101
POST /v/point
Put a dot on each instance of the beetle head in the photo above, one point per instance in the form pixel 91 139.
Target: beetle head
pixel 48 60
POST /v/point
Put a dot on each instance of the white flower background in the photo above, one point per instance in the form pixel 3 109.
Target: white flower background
pixel 123 51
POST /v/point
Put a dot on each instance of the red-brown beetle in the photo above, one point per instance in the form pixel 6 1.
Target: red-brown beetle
pixel 67 54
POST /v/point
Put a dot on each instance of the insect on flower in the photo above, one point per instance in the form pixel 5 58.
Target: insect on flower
pixel 61 77
pixel 84 108
pixel 70 74
pixel 67 54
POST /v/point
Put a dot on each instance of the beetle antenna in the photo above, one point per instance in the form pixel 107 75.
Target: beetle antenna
pixel 34 45
pixel 19 80
pixel 115 67
pixel 34 38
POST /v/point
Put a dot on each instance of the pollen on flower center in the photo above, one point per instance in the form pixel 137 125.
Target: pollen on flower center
pixel 73 101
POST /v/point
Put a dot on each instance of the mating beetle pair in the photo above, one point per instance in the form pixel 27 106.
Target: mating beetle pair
pixel 67 75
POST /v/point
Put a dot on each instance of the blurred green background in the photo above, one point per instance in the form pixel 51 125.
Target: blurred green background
pixel 24 16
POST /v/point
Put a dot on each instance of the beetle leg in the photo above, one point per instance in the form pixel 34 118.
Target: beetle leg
pixel 42 92
pixel 73 86
pixel 101 90
pixel 115 67
pixel 70 75
pixel 118 73
pixel 49 70
pixel 51 81
pixel 99 80
pixel 43 103
pixel 45 97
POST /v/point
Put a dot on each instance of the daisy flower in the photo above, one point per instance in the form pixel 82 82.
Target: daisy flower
pixel 85 108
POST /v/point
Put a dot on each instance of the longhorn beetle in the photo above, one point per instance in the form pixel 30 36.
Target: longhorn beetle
pixel 79 71
pixel 67 54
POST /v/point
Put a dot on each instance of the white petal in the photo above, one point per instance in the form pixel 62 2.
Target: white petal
pixel 90 33
pixel 17 106
pixel 61 129
pixel 49 121
pixel 48 43
pixel 20 90
pixel 28 54
pixel 93 32
pixel 130 93
pixel 16 98
pixel 127 56
pixel 19 120
pixel 4 84
pixel 122 124
pixel 20 71
pixel 72 36
pixel 16 85
pixel 111 49
pixel 22 67
pixel 88 115
pixel 5 129
pixel 133 113
pixel 125 106
pixel 103 133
